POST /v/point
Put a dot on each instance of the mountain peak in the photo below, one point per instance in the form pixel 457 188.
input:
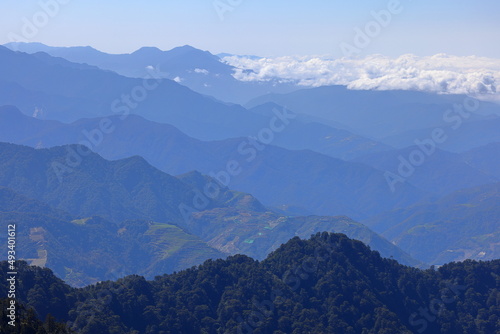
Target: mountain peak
pixel 181 50
pixel 186 48
pixel 148 50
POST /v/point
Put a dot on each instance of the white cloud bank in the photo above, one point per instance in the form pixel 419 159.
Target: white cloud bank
pixel 440 73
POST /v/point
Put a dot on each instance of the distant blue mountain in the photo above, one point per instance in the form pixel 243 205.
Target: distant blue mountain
pixel 199 70
pixel 441 172
pixel 485 158
pixel 306 133
pixel 468 136
pixel 66 92
pixel 379 114
pixel 54 88
pixel 317 183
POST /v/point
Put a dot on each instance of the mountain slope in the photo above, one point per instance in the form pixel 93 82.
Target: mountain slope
pixel 485 158
pixel 84 251
pixel 86 184
pixel 461 225
pixel 256 234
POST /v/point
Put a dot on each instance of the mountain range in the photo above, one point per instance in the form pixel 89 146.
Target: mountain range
pixel 81 91
pixel 199 70
pixel 154 162
pixel 397 118
pixel 442 172
pixel 141 213
pixel 390 114
pixel 340 187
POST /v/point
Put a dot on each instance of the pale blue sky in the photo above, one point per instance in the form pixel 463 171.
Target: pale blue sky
pixel 263 27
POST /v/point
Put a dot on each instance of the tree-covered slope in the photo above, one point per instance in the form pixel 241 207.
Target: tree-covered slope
pixel 84 184
pixel 87 250
pixel 256 234
pixel 26 321
pixel 329 284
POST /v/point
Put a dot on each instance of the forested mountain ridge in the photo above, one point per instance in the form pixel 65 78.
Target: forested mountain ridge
pixel 328 284
pixel 256 234
pixel 82 183
pixel 27 321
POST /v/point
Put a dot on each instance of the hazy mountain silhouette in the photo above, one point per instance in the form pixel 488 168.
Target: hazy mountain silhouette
pixel 274 175
pixel 485 158
pixel 461 225
pixel 306 133
pixel 377 113
pixel 468 136
pixel 440 172
pixel 66 93
pixel 199 70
